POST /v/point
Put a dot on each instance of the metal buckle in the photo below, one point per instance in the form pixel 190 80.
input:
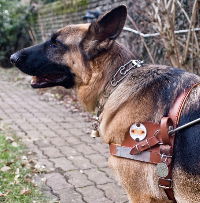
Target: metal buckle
pixel 165 187
pixel 136 146
pixel 165 157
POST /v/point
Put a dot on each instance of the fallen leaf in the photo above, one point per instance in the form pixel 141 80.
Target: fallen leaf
pixel 3 194
pixel 25 191
pixel 14 144
pixel 9 163
pixel 9 139
pixel 5 168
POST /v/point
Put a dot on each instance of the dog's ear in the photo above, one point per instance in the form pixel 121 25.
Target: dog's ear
pixel 103 31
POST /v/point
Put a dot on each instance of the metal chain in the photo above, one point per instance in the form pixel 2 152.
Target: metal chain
pixel 123 71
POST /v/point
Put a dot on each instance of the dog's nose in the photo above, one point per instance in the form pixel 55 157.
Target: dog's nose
pixel 14 58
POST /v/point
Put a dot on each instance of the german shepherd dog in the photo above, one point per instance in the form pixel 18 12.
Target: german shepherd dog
pixel 85 57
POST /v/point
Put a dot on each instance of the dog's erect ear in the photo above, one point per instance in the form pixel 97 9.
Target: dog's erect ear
pixel 110 24
pixel 104 30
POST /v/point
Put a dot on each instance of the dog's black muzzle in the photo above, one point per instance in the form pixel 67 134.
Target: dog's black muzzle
pixel 38 61
pixel 17 58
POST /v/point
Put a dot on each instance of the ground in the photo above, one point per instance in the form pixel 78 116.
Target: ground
pixel 76 169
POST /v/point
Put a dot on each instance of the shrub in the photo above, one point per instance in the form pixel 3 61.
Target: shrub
pixel 14 23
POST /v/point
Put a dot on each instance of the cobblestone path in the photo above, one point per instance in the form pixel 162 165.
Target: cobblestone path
pixel 76 164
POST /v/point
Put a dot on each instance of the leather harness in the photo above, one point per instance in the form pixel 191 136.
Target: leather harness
pixel 157 147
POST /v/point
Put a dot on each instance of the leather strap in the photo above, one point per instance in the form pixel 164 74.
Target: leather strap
pixel 158 145
pixel 175 114
pixel 144 145
pixel 165 124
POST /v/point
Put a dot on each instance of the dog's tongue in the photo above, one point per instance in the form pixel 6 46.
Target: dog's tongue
pixel 47 80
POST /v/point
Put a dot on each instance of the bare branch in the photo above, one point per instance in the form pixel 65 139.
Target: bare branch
pixel 142 39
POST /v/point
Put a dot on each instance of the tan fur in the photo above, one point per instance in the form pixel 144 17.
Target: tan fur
pixel 117 116
pixel 186 187
pixel 138 179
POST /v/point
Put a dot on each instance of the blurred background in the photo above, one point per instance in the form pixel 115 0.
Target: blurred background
pixel 175 22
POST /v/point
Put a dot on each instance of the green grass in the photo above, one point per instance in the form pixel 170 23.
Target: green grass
pixel 15 182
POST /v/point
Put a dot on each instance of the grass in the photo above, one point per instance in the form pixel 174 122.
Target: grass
pixel 15 178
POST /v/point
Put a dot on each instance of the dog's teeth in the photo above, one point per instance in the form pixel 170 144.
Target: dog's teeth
pixel 34 80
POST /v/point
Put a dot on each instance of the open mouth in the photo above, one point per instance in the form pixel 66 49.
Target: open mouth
pixel 48 80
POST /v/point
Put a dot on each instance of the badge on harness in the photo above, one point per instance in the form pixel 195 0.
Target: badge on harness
pixel 162 170
pixel 138 132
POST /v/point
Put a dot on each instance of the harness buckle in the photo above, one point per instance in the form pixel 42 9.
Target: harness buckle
pixel 136 146
pixel 169 181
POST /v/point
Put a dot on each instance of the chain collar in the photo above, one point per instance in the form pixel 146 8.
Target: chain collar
pixel 117 78
pixel 123 71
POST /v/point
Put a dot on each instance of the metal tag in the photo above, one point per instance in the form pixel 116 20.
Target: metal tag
pixel 162 170
pixel 138 132
pixel 94 133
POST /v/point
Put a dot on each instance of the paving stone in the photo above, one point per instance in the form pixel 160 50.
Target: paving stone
pixel 97 176
pixel 67 125
pixel 63 133
pixel 78 178
pixel 97 195
pixel 114 192
pixel 63 163
pixel 49 133
pixel 84 149
pixel 69 195
pixel 81 162
pixel 43 143
pixel 73 140
pixel 69 151
pixel 34 149
pixel 56 181
pixel 87 139
pixel 57 141
pixel 76 131
pixel 51 152
pixel 109 172
pixel 26 126
pixel 40 126
pixel 34 134
pixel 102 148
pixel 15 127
pixel 54 127
pixel 98 160
pixel 21 134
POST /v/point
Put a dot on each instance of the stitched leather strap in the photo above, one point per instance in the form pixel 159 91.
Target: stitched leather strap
pixel 144 145
pixel 150 150
pixel 174 114
pixel 165 123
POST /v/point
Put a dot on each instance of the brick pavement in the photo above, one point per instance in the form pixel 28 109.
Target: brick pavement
pixel 76 164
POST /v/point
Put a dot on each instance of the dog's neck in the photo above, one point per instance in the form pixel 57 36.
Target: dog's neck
pixel 119 57
pixel 103 69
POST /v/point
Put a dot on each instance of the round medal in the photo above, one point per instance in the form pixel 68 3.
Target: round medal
pixel 162 170
pixel 138 132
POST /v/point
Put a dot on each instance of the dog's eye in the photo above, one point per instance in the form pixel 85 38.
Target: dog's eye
pixel 53 45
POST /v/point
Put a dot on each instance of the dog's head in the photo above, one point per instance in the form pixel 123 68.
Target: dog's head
pixel 65 58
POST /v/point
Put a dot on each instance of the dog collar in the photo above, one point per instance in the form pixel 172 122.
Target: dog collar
pixel 111 85
pixel 123 71
pixel 116 79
